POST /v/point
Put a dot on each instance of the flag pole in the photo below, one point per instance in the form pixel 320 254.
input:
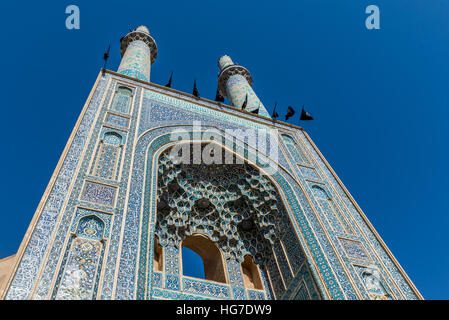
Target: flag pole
pixel 106 57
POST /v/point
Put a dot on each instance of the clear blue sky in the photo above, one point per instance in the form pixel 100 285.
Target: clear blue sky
pixel 379 97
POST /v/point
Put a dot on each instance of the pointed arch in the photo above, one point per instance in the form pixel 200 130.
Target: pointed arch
pixel 151 144
pixel 335 217
pixel 108 156
pixel 91 227
pixel 320 192
pixel 251 273
pixel 294 149
pixel 83 259
pixel 214 269
pixel 158 256
pixel 122 99
pixel 112 138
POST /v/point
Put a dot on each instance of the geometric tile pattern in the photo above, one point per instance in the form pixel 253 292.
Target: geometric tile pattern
pixel 256 295
pixel 117 120
pixel 122 100
pixel 309 172
pixel 99 193
pixel 204 288
pixel 294 149
pixel 373 282
pixel 80 270
pixel 336 220
pixel 354 249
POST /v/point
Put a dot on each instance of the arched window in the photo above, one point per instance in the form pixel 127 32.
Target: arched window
pixel 320 193
pixel 158 264
pixel 372 280
pixel 295 151
pixel 334 216
pixel 80 271
pixel 112 138
pixel 251 274
pixel 209 253
pixel 90 227
pixel 107 158
pixel 122 100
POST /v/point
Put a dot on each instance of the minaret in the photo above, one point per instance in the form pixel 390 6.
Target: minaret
pixel 235 83
pixel 139 51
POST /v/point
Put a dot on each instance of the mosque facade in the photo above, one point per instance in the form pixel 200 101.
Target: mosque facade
pixel 149 170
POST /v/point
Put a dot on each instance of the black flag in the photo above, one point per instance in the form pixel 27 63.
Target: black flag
pixel 106 57
pixel 195 90
pixel 169 81
pixel 245 102
pixel 256 111
pixel 305 115
pixel 106 54
pixel 275 114
pixel 290 113
pixel 218 96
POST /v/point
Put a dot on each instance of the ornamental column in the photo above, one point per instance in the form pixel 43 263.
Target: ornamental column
pixel 235 82
pixel 139 51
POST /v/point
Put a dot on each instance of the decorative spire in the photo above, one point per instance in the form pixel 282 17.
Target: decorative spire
pixel 168 85
pixel 275 114
pixel 195 90
pixel 218 96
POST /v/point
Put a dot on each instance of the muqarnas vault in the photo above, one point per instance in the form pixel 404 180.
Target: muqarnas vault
pixel 118 210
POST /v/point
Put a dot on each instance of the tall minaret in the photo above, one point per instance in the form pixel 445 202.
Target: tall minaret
pixel 139 51
pixel 235 83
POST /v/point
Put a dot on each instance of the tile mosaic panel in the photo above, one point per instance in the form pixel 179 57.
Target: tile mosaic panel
pixel 113 261
pixel 175 295
pixel 373 282
pixel 80 271
pixel 354 249
pixel 157 280
pixel 303 278
pixel 205 288
pixel 117 120
pixel 99 193
pixel 309 172
pixel 256 294
pixel 302 293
